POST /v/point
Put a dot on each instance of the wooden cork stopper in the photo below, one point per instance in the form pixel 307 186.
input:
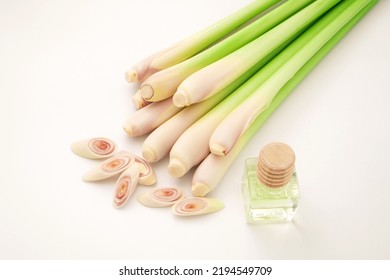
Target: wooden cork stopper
pixel 276 164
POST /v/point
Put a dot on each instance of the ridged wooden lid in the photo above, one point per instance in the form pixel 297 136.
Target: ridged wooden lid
pixel 276 164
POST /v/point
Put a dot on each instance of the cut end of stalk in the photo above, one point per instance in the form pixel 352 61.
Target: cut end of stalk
pixel 129 129
pixel 148 154
pixel 218 150
pixel 180 99
pixel 131 76
pixel 176 168
pixel 138 101
pixel 147 92
pixel 199 189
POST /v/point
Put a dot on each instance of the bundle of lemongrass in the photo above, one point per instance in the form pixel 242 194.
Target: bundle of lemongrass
pixel 202 99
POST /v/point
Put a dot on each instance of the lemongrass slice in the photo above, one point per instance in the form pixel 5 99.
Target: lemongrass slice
pixel 126 185
pixel 196 206
pixel 147 177
pixel 110 167
pixel 161 197
pixel 94 148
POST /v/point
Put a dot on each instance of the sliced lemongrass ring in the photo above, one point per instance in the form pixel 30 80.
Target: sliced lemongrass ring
pixel 94 148
pixel 196 206
pixel 161 197
pixel 126 185
pixel 110 167
pixel 147 176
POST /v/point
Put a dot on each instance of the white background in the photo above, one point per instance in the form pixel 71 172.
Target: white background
pixel 62 67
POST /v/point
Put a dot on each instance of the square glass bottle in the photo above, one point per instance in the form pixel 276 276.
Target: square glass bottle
pixel 270 186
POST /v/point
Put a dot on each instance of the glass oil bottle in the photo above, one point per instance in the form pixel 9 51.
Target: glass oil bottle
pixel 270 186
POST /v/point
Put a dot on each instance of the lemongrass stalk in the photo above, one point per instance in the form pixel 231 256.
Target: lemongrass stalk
pixel 159 142
pixel 192 147
pixel 230 129
pixel 164 84
pixel 148 118
pixel 209 80
pixel 196 43
pixel 210 172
